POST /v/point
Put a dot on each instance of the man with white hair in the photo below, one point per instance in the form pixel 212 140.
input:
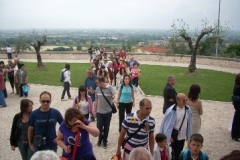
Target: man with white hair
pixel 45 155
pixel 140 153
pixel 169 93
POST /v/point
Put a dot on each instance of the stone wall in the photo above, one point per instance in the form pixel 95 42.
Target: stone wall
pixel 203 60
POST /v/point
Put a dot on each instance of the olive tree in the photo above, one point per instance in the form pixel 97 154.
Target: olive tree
pixel 37 47
pixel 180 30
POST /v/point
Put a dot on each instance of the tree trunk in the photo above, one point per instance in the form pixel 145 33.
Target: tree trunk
pixel 192 66
pixel 39 60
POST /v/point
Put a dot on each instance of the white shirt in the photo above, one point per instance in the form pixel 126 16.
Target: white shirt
pixel 180 114
pixel 15 70
pixel 84 107
pixel 66 75
pixel 9 50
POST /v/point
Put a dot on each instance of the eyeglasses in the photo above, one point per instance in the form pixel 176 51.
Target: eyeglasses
pixel 45 101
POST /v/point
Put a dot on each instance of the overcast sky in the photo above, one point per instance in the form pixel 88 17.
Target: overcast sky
pixel 145 14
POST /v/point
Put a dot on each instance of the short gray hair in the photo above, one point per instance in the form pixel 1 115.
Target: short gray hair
pixel 170 78
pixel 140 153
pixel 90 70
pixel 46 155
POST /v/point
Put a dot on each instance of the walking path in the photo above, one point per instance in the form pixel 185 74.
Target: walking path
pixel 215 119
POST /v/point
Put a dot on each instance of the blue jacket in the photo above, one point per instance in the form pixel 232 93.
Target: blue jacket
pixel 169 121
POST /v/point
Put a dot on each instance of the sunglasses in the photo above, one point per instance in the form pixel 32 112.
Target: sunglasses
pixel 45 101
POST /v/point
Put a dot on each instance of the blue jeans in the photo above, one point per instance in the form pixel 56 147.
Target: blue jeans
pixel 103 124
pixel 2 99
pixel 91 57
pixel 25 150
pixel 66 88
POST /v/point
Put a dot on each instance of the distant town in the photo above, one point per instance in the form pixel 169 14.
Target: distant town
pixel 131 40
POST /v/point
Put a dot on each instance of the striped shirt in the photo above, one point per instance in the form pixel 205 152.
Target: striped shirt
pixel 131 123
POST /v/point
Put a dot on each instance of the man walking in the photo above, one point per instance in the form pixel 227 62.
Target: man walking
pixel 177 125
pixel 9 52
pixel 90 51
pixel 66 82
pixel 102 109
pixel 139 130
pixel 90 83
pixel 42 123
pixel 169 93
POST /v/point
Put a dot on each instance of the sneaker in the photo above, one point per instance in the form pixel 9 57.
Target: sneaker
pixel 70 98
pixel 105 145
pixel 63 99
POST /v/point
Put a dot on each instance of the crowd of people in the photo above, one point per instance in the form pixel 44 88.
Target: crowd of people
pixel 18 78
pixel 34 131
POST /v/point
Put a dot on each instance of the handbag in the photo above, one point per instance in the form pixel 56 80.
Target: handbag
pixel 133 134
pixel 39 140
pixel 74 148
pixel 114 109
pixel 175 131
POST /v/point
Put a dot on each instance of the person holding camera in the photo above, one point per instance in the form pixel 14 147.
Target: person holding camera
pixel 42 124
pixel 75 124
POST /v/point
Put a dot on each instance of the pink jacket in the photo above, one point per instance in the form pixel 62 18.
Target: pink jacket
pixel 76 99
pixel 2 84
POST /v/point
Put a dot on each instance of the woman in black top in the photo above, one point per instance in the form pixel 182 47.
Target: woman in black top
pixel 19 129
pixel 235 133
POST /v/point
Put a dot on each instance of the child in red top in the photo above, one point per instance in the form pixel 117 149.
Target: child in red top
pixel 135 73
pixel 161 149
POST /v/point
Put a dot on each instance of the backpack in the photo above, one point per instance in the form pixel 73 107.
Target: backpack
pixel 61 77
pixel 186 151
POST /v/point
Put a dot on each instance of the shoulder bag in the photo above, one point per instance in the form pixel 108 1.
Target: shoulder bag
pixel 74 149
pixel 175 131
pixel 39 141
pixel 133 134
pixel 114 109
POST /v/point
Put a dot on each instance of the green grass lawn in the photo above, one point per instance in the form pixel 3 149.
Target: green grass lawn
pixel 215 85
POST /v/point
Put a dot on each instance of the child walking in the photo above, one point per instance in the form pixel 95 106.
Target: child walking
pixel 194 152
pixel 161 149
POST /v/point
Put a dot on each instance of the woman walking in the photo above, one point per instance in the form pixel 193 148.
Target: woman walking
pixel 103 73
pixel 74 122
pixel 10 70
pixel 126 99
pixel 83 102
pixel 19 129
pixel 196 107
pixel 22 78
pixel 115 66
pixel 235 133
pixel 119 76
pixel 16 68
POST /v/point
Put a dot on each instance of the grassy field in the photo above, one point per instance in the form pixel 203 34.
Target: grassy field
pixel 215 85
